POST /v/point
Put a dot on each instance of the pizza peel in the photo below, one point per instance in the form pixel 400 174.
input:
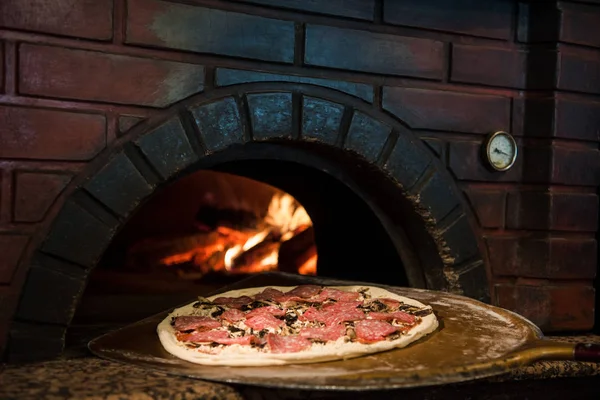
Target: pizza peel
pixel 474 340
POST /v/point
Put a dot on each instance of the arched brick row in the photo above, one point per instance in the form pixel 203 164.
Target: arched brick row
pixel 210 124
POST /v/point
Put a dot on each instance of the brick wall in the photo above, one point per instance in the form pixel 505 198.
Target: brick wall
pixel 75 74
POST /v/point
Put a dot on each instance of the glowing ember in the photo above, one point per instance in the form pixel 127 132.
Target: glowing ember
pixel 309 267
pixel 231 254
pixel 250 248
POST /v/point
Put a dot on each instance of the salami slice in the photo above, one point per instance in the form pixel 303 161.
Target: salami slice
pixel 305 291
pixel 269 310
pixel 325 334
pixel 203 337
pixel 233 315
pixel 263 321
pixel 335 294
pixel 333 316
pixel 369 331
pixel 391 303
pixel 397 315
pixel 186 323
pixel 287 344
pixel 233 302
pixel 268 294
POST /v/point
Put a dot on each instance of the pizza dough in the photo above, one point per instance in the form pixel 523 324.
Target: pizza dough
pixel 243 355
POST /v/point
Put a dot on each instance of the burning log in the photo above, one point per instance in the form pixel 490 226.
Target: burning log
pixel 296 251
pixel 256 259
pixel 172 250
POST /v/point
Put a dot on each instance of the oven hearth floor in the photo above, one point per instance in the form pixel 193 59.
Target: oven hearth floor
pixel 81 376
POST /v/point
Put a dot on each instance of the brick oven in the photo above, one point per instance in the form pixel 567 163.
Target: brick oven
pixel 372 113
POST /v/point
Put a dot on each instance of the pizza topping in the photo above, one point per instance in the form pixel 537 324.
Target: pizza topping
pixel 268 294
pixel 277 322
pixel 335 294
pixel 187 323
pixel 263 321
pixel 202 337
pixel 396 315
pixel 217 312
pixel 390 303
pixel 325 334
pixel 269 310
pixel 368 331
pixel 423 313
pixel 287 344
pixel 233 302
pixel 233 315
pixel 305 291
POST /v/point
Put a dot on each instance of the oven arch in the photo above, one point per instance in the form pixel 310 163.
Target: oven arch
pixel 250 120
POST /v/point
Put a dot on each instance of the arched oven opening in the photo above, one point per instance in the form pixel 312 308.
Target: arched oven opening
pixel 152 224
pixel 215 226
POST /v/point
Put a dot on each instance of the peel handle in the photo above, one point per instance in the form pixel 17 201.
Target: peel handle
pixel 586 352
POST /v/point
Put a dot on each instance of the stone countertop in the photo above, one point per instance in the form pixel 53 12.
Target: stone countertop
pixel 89 377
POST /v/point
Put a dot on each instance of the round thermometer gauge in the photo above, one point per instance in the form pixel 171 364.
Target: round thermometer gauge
pixel 500 151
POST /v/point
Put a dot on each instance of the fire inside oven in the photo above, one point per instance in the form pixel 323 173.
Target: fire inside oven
pixel 210 225
pixel 212 228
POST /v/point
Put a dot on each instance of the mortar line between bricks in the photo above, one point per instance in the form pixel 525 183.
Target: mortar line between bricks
pixel 96 208
pixel 297 111
pixel 344 127
pixel 10 68
pixel 119 21
pixel 299 43
pixel 245 117
pixel 388 147
pixel 6 191
pixel 378 12
pixel 192 132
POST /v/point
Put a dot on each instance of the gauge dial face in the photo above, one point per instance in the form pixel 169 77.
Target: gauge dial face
pixel 501 151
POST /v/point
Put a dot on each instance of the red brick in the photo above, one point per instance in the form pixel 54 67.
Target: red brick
pixel 11 248
pixel 465 161
pixel 91 19
pixel 87 75
pixel 579 167
pixel 578 70
pixel 205 30
pixel 533 209
pixel 489 206
pixel 545 258
pixel 488 66
pixel 47 134
pixel 580 24
pixel 577 119
pixel 552 307
pixel 559 117
pixel 460 16
pixel 448 111
pixel 35 193
pixel 381 53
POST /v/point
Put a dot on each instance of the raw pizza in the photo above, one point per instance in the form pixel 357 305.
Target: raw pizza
pixel 291 325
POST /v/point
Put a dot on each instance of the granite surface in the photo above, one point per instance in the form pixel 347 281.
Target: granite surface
pixel 88 377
